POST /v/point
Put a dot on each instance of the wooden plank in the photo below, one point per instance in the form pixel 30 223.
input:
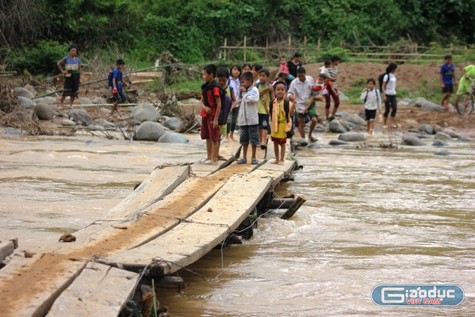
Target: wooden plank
pixel 199 233
pixel 6 249
pixel 100 290
pixel 275 171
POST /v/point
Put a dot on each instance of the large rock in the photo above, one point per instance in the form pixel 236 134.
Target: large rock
pixel 44 111
pixel 337 127
pixel 353 118
pixel 451 132
pixel 172 137
pixel 437 128
pixel 105 124
pixel 411 140
pixel 144 113
pixel 352 137
pixel 442 136
pixel 26 103
pixel 68 123
pixel 80 116
pixel 426 128
pixel 439 143
pixel 150 131
pixel 23 92
pixel 173 123
pixel 427 105
pixel 405 102
pixel 99 101
pixel 337 142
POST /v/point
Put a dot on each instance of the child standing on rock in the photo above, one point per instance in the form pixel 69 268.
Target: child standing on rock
pixel 281 111
pixel 371 98
pixel 248 118
pixel 117 85
pixel 70 67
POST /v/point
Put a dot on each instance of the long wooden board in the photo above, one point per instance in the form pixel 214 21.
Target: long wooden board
pixel 199 233
pixel 100 290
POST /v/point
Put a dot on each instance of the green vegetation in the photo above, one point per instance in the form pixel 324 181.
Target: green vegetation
pixel 193 30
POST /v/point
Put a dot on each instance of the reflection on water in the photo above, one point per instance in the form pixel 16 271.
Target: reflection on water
pixel 371 217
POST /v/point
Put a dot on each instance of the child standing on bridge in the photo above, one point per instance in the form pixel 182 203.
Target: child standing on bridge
pixel 281 111
pixel 210 109
pixel 266 94
pixel 248 118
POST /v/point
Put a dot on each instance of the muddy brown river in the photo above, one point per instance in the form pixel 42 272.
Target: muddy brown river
pixel 372 217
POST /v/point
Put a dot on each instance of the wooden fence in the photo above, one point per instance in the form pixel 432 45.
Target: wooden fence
pixel 407 53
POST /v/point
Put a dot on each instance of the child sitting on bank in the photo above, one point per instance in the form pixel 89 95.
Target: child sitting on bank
pixel 282 111
pixel 248 118
pixel 371 98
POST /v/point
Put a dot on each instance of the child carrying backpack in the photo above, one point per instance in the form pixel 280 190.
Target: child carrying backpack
pixel 371 98
pixel 281 111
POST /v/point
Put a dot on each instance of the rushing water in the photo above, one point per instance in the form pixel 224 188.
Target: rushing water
pixel 372 217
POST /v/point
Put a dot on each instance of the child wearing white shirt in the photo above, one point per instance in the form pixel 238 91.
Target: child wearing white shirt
pixel 371 98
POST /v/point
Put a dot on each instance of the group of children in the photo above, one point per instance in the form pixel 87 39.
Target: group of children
pixel 246 98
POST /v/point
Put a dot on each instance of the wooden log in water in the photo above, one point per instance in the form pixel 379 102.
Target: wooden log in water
pixel 100 290
pixel 281 203
pixel 294 207
pixel 173 282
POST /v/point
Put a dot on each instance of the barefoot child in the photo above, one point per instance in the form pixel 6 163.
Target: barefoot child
pixel 210 109
pixel 266 94
pixel 371 98
pixel 248 119
pixel 117 85
pixel 281 121
pixel 235 84
pixel 229 99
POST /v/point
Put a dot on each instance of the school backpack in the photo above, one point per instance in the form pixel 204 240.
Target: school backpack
pixel 109 80
pixel 225 107
pixel 222 93
pixel 381 80
pixel 290 133
pixel 378 94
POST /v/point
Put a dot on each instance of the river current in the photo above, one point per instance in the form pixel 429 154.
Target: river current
pixel 372 216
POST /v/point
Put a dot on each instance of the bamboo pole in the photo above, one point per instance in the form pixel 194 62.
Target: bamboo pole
pixel 225 47
pixel 244 49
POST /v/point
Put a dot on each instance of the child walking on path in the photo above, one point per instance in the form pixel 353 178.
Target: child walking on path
pixel 72 77
pixel 117 86
pixel 371 98
pixel 210 109
pixel 389 89
pixel 282 111
pixel 266 95
pixel 447 81
pixel 248 118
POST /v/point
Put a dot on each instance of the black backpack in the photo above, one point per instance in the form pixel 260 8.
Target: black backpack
pixel 209 86
pixel 109 80
pixel 381 80
pixel 290 133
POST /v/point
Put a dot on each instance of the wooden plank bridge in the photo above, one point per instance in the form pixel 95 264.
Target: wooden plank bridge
pixel 176 216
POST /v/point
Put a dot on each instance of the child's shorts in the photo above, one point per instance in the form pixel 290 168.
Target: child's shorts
pixel 279 140
pixel 263 121
pixel 249 134
pixel 207 129
pixel 370 114
pixel 223 129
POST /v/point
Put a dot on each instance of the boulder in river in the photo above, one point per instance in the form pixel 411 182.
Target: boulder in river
pixel 426 128
pixel 68 123
pixel 337 142
pixel 411 140
pixel 337 127
pixel 439 143
pixel 354 119
pixel 443 153
pixel 172 137
pixel 80 116
pixel 23 92
pixel 44 111
pixel 146 112
pixel 150 131
pixel 352 137
pixel 442 136
pixel 26 103
pixel 173 123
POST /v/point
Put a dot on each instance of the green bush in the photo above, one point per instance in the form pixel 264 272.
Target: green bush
pixel 39 59
pixel 335 51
